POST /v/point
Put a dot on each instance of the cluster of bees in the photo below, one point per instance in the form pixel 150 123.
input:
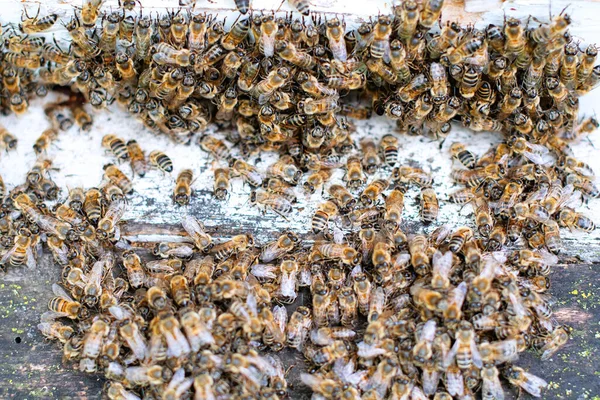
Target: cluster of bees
pixel 390 314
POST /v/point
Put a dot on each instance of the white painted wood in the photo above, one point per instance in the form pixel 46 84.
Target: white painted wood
pixel 79 156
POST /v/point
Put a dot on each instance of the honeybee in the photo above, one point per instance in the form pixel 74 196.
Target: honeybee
pixel 342 196
pixel 575 220
pixel 334 30
pixel 108 224
pixel 406 174
pixel 7 140
pixel 114 174
pixel 327 250
pixel 92 344
pixel 464 156
pixel 249 173
pixel 135 273
pixel 298 327
pixel 215 146
pixel 182 192
pixel 464 49
pixel 30 25
pixel 62 305
pixel 235 245
pixel 389 148
pixel 22 252
pixel 161 161
pixel 279 204
pixel 278 248
pixel 286 169
pixel 429 205
pixel 373 191
pixel 464 348
pixel 56 330
pixel 167 54
pixel 320 219
pixel 529 382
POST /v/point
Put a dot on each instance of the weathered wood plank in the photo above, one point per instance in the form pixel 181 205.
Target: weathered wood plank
pixel 31 367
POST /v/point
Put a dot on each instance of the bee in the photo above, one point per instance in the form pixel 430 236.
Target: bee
pixel 409 16
pixel 137 158
pixel 430 13
pixel 389 146
pixel 91 204
pixel 586 126
pixel 419 84
pixel 286 169
pixel 529 382
pixel 182 192
pixel 583 184
pixel 135 273
pixel 86 44
pixel 324 105
pixel 116 145
pixel 22 252
pixel 235 245
pixel 30 25
pixel 373 191
pixel 161 161
pixel 276 249
pixel 56 330
pixel 344 253
pixel 556 340
pixel 429 205
pixel 469 83
pixel 114 175
pixel 197 232
pixel 90 12
pixel 439 83
pixel 575 220
pixel 464 156
pixel 221 184
pixel 323 215
pixel 380 46
pixel 298 327
pixel 302 6
pixel 334 30
pixel 342 196
pixel 62 305
pixel 92 344
pixel 2 190
pixel 464 348
pixel 467 48
pixel 279 204
pixel 249 173
pixel 354 172
pixel 108 224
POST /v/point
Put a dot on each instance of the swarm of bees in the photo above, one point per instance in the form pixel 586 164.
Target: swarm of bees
pixel 392 314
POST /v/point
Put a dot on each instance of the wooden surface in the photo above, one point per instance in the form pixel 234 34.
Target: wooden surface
pixel 31 367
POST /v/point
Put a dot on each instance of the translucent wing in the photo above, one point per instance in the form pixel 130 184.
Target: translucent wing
pixel 60 292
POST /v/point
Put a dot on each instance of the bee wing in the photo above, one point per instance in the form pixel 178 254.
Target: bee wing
pixel 454 382
pixel 533 384
pixel 252 303
pixel 116 209
pixel 442 263
pixel 537 158
pixel 288 286
pixel 31 261
pixel 192 226
pixel 492 389
pixel 548 257
pixel 430 379
pixel 7 255
pixel 264 271
pixel 475 354
pixel 280 316
pixel 51 316
pixel 417 394
pixel 270 252
pixel 451 354
pixel 119 312
pixel 60 292
pixel 343 369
